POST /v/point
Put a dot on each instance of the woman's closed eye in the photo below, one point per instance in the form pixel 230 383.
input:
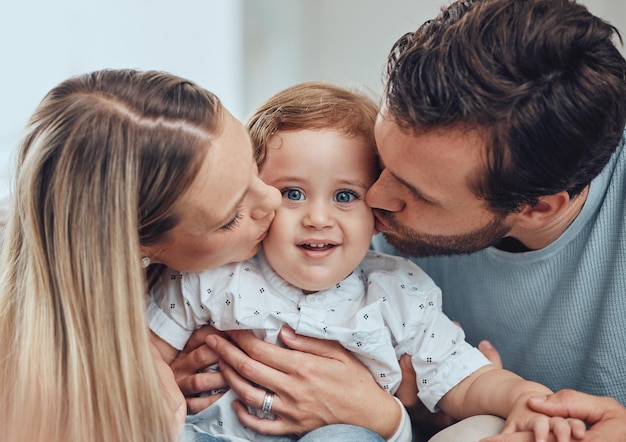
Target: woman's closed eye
pixel 234 222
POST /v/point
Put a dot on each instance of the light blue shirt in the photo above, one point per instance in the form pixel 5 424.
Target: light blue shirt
pixel 557 315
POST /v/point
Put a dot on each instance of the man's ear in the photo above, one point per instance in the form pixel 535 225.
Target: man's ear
pixel 547 207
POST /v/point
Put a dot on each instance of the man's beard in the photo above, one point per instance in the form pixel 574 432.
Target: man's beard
pixel 411 243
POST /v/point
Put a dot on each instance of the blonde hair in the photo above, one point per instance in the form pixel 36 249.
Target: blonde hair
pixel 312 105
pixel 102 163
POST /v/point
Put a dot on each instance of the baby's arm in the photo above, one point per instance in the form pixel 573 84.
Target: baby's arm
pixel 492 390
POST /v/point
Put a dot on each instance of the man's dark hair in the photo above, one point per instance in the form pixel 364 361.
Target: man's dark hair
pixel 542 80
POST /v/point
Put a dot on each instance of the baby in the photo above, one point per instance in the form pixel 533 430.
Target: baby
pixel 315 273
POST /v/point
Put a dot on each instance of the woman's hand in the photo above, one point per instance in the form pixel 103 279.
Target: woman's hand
pixel 188 371
pixel 315 383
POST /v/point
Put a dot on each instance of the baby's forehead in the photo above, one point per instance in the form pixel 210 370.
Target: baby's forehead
pixel 315 141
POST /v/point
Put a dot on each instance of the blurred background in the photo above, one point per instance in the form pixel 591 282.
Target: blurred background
pixel 242 50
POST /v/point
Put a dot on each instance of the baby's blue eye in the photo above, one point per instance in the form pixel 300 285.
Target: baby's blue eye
pixel 344 196
pixel 293 194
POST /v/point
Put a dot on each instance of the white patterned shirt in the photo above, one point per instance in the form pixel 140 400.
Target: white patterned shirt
pixel 386 307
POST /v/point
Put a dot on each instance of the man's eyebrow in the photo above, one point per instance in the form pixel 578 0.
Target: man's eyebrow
pixel 416 193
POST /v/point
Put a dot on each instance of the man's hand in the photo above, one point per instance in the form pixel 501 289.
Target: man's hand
pixel 605 416
pixel 425 424
pixel 490 353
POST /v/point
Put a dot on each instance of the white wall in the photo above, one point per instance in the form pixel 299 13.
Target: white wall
pixel 43 42
pixel 344 42
pixel 341 41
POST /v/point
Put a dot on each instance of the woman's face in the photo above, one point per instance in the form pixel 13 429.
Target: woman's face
pixel 225 213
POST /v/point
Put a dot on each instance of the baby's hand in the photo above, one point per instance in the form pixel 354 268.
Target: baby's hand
pixel 522 418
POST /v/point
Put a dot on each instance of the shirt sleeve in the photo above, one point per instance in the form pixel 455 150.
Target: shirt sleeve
pixel 404 433
pixel 412 309
pixel 182 302
pixel 165 316
pixel 166 328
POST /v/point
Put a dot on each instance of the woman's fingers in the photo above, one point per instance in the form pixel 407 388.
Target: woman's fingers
pixel 199 403
pixel 190 381
pixel 313 346
pixel 198 337
pixel 255 360
pixel 316 383
pixel 280 358
pixel 276 426
pixel 190 365
pixel 193 383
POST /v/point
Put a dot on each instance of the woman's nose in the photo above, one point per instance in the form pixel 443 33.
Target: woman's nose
pixel 265 199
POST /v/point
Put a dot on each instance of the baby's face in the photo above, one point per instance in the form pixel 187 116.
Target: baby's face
pixel 323 228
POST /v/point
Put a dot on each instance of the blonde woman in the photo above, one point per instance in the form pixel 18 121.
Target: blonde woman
pixel 118 170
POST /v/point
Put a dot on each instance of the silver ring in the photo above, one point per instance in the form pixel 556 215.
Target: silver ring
pixel 268 400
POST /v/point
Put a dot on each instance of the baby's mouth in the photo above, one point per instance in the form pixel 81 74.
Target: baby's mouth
pixel 317 247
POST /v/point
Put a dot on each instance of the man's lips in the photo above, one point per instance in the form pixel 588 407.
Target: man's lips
pixel 380 224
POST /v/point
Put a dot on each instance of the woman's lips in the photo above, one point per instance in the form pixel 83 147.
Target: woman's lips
pixel 264 234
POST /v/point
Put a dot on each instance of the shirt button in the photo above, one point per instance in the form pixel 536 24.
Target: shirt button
pixel 311 299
